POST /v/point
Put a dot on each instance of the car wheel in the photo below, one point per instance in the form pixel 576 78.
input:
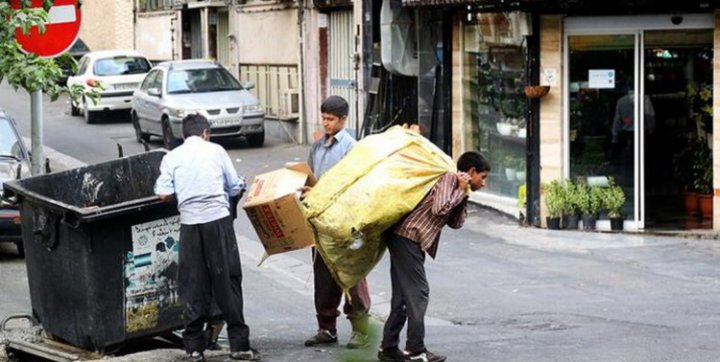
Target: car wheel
pixel 169 140
pixel 20 249
pixel 89 116
pixel 140 136
pixel 256 140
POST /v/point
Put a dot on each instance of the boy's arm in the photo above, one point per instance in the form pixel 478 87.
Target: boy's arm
pixel 234 184
pixel 447 195
pixel 164 185
pixel 458 214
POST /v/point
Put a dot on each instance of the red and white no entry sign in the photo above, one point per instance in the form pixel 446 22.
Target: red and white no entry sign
pixel 61 30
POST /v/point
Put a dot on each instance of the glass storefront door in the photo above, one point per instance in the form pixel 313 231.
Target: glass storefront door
pixel 639 110
pixel 602 111
pixel 677 83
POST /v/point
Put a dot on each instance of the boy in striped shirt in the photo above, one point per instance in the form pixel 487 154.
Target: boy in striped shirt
pixel 408 241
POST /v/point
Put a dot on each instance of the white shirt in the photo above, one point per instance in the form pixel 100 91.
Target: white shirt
pixel 202 177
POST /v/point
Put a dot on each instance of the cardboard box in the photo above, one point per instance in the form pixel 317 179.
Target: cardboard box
pixel 273 207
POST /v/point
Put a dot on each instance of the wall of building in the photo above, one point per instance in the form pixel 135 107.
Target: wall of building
pixel 458 127
pixel 551 115
pixel 269 37
pixel 124 32
pixel 107 27
pixel 96 31
pixel 311 76
pixel 154 38
pixel 716 124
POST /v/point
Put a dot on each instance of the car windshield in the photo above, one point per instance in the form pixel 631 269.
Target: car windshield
pixel 201 81
pixel 121 65
pixel 10 146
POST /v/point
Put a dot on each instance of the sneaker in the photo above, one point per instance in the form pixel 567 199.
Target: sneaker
pixel 196 357
pixel 249 355
pixel 424 356
pixel 391 355
pixel 323 336
pixel 357 340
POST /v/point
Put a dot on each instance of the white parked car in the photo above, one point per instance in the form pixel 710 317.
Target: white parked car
pixel 172 90
pixel 117 72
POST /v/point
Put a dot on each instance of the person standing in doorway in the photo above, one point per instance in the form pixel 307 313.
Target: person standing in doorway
pixel 324 154
pixel 409 240
pixel 201 177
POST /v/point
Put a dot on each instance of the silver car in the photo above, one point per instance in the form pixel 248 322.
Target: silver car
pixel 172 90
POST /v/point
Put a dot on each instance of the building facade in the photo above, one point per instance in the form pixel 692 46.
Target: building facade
pixel 107 25
pixel 632 97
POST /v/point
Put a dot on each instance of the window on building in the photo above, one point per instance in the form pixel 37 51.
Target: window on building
pixel 494 103
pixel 155 5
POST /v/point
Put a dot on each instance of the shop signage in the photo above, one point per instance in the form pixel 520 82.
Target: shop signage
pixel 601 78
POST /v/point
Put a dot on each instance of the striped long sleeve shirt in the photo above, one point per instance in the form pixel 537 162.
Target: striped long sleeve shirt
pixel 444 204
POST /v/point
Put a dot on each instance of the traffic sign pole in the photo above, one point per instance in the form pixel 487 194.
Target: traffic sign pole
pixel 36 133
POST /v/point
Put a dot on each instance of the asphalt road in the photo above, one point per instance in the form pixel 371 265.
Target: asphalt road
pixel 499 292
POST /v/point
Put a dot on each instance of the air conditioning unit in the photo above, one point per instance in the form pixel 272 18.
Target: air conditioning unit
pixel 289 106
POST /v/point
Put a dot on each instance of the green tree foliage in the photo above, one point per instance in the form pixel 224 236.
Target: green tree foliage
pixel 27 71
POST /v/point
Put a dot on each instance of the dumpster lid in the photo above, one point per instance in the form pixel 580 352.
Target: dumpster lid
pixel 95 191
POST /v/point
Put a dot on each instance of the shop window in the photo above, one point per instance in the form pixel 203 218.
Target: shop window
pixel 494 103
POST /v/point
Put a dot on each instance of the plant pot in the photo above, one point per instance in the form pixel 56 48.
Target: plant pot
pixel 537 91
pixel 617 223
pixel 589 221
pixel 692 205
pixel 510 174
pixel 706 206
pixel 553 223
pixel 520 175
pixel 571 222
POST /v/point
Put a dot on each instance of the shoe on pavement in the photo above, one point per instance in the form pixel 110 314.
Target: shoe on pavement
pixel 391 355
pixel 249 355
pixel 323 336
pixel 424 356
pixel 196 357
pixel 357 340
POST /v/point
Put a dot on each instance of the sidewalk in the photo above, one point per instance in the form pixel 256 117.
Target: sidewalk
pixel 58 161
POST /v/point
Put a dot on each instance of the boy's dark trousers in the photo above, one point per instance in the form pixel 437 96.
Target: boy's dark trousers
pixel 328 295
pixel 210 269
pixel 410 294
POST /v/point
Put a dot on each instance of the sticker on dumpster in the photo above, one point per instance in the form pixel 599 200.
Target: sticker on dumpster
pixel 151 296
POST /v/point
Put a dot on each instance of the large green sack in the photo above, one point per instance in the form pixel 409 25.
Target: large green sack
pixel 382 179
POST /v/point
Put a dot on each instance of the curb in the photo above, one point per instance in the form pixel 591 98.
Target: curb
pixel 58 161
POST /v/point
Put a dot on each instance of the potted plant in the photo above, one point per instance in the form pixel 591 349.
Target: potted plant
pixel 573 195
pixel 590 198
pixel 614 199
pixel 683 172
pixel 554 203
pixel 703 179
pixel 700 97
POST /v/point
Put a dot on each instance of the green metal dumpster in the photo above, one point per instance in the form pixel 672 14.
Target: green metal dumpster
pixel 101 251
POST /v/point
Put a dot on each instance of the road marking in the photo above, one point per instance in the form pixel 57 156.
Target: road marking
pixel 62 14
